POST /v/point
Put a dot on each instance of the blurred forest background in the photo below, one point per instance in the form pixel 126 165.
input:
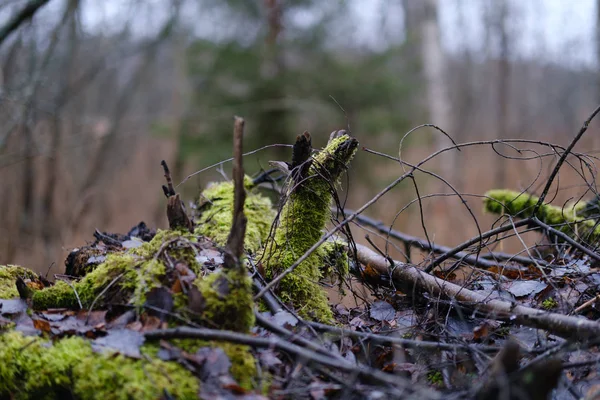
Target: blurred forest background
pixel 94 94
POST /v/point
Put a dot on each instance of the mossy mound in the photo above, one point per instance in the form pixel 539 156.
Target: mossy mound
pixel 565 219
pixel 8 277
pixel 124 277
pixel 128 277
pixel 215 214
pixel 32 368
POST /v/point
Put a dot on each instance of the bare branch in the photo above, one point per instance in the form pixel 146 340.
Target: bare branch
pixel 235 240
pixel 19 18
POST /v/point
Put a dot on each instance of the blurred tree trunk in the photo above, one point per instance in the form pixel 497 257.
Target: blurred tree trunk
pixel 500 16
pixel 50 222
pixel 462 96
pixel 423 30
pixel 272 116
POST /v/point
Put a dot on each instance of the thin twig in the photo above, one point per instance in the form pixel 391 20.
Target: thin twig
pixel 102 294
pixel 74 290
pixel 402 385
pixel 563 157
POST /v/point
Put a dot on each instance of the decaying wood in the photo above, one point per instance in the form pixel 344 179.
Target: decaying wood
pixel 176 213
pixel 301 160
pixel 235 240
pixel 411 279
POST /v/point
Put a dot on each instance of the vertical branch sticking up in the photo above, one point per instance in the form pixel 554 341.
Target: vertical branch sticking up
pixel 235 241
pixel 301 160
pixel 176 214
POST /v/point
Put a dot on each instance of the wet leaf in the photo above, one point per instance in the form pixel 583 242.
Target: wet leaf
pixel 357 321
pixel 132 243
pixel 92 318
pixel 151 323
pixel 124 341
pixel 486 328
pixel 268 358
pixel 214 362
pixel 283 318
pixel 12 306
pixel 382 311
pixel 54 317
pixel 159 302
pixel 96 259
pixel 341 309
pixel 525 288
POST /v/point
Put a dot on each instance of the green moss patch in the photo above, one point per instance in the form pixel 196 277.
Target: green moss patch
pixel 522 205
pixel 8 277
pixel 215 214
pixel 30 368
pixel 227 300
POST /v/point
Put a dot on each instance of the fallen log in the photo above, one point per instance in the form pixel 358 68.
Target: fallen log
pixel 411 279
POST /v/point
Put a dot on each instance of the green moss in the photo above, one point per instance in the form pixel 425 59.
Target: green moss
pixel 216 214
pixel 549 303
pixel 131 275
pixel 228 300
pixel 8 277
pixel 302 220
pixel 33 368
pixel 334 257
pixel 521 205
pixel 124 273
pixel 128 278
pixel 435 377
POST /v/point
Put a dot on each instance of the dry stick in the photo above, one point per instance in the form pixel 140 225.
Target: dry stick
pixel 235 241
pixel 410 343
pixel 405 275
pixel 293 337
pixel 586 305
pixel 176 213
pixel 309 355
pixel 482 261
pixel 474 240
pixel 563 157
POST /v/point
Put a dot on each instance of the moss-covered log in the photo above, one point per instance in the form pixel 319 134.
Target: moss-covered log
pixel 215 214
pixel 569 220
pixel 301 223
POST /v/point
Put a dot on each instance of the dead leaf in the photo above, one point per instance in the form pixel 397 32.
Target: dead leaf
pixel 523 288
pixel 159 302
pixel 42 325
pixel 382 311
pixel 12 306
pixel 284 318
pixel 123 341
